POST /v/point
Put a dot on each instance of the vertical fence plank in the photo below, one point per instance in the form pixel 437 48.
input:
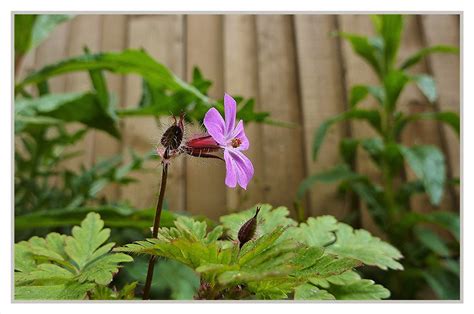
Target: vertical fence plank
pixel 162 37
pixel 84 32
pixel 283 150
pixel 113 38
pixel 241 78
pixel 359 72
pixel 206 192
pixel 322 97
pixel 413 101
pixel 444 29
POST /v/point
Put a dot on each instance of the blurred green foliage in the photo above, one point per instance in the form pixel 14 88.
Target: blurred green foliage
pixel 431 257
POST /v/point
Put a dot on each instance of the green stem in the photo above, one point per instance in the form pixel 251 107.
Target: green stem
pixel 156 226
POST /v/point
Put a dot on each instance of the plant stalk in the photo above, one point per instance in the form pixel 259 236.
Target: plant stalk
pixel 156 225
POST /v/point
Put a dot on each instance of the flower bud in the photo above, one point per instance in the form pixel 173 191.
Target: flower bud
pixel 247 231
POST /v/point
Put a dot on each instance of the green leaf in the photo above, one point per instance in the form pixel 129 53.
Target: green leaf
pixel 366 48
pixel 126 62
pixel 371 116
pixel 390 27
pixel 445 219
pixel 432 241
pixel 71 107
pixel 444 284
pixel 448 117
pixel 361 245
pixel 428 164
pixel 338 173
pixel 394 82
pixel 418 56
pixel 427 86
pixel 31 30
pixel 310 292
pixel 363 289
pixel 64 267
pixel 360 92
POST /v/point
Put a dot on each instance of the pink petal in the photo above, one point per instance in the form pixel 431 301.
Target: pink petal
pixel 230 110
pixel 215 125
pixel 243 168
pixel 240 134
pixel 230 175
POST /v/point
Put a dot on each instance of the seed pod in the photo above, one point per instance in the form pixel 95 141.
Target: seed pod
pixel 172 137
pixel 247 231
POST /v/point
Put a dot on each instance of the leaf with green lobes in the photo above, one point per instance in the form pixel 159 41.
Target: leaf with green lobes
pixel 394 82
pixel 448 117
pixel 65 267
pixel 363 289
pixel 309 292
pixel 371 116
pixel 70 107
pixel 338 173
pixel 418 56
pixel 427 86
pixel 200 82
pixel 361 245
pixel 429 165
pixel 31 29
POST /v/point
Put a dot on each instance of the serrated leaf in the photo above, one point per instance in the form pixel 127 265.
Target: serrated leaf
pixel 361 245
pixel 69 291
pixel 310 292
pixel 359 290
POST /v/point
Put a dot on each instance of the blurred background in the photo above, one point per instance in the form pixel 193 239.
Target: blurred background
pixel 294 67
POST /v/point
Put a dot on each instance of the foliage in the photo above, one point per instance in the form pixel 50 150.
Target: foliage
pixel 61 267
pixel 283 261
pixel 430 258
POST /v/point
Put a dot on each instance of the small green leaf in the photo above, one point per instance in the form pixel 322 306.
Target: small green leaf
pixel 359 290
pixel 389 27
pixel 366 48
pixel 310 292
pixel 418 56
pixel 371 116
pixel 448 117
pixel 338 173
pixel 427 86
pixel 394 82
pixel 428 164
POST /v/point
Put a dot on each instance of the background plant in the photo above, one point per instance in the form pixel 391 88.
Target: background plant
pixel 431 258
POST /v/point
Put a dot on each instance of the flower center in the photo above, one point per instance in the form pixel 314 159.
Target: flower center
pixel 235 142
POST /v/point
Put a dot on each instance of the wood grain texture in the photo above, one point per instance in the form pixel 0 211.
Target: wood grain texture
pixel 113 38
pixel 322 97
pixel 444 29
pixel 359 72
pixel 241 78
pixel 283 149
pixel 205 177
pixel 84 32
pixel 162 37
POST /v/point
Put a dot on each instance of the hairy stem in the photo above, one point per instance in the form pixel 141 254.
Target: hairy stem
pixel 156 225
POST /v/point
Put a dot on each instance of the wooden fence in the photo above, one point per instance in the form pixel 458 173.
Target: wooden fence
pixel 293 67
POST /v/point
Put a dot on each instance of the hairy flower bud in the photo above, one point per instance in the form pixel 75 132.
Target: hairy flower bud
pixel 247 231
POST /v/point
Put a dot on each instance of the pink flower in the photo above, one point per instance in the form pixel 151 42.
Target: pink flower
pixel 231 138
